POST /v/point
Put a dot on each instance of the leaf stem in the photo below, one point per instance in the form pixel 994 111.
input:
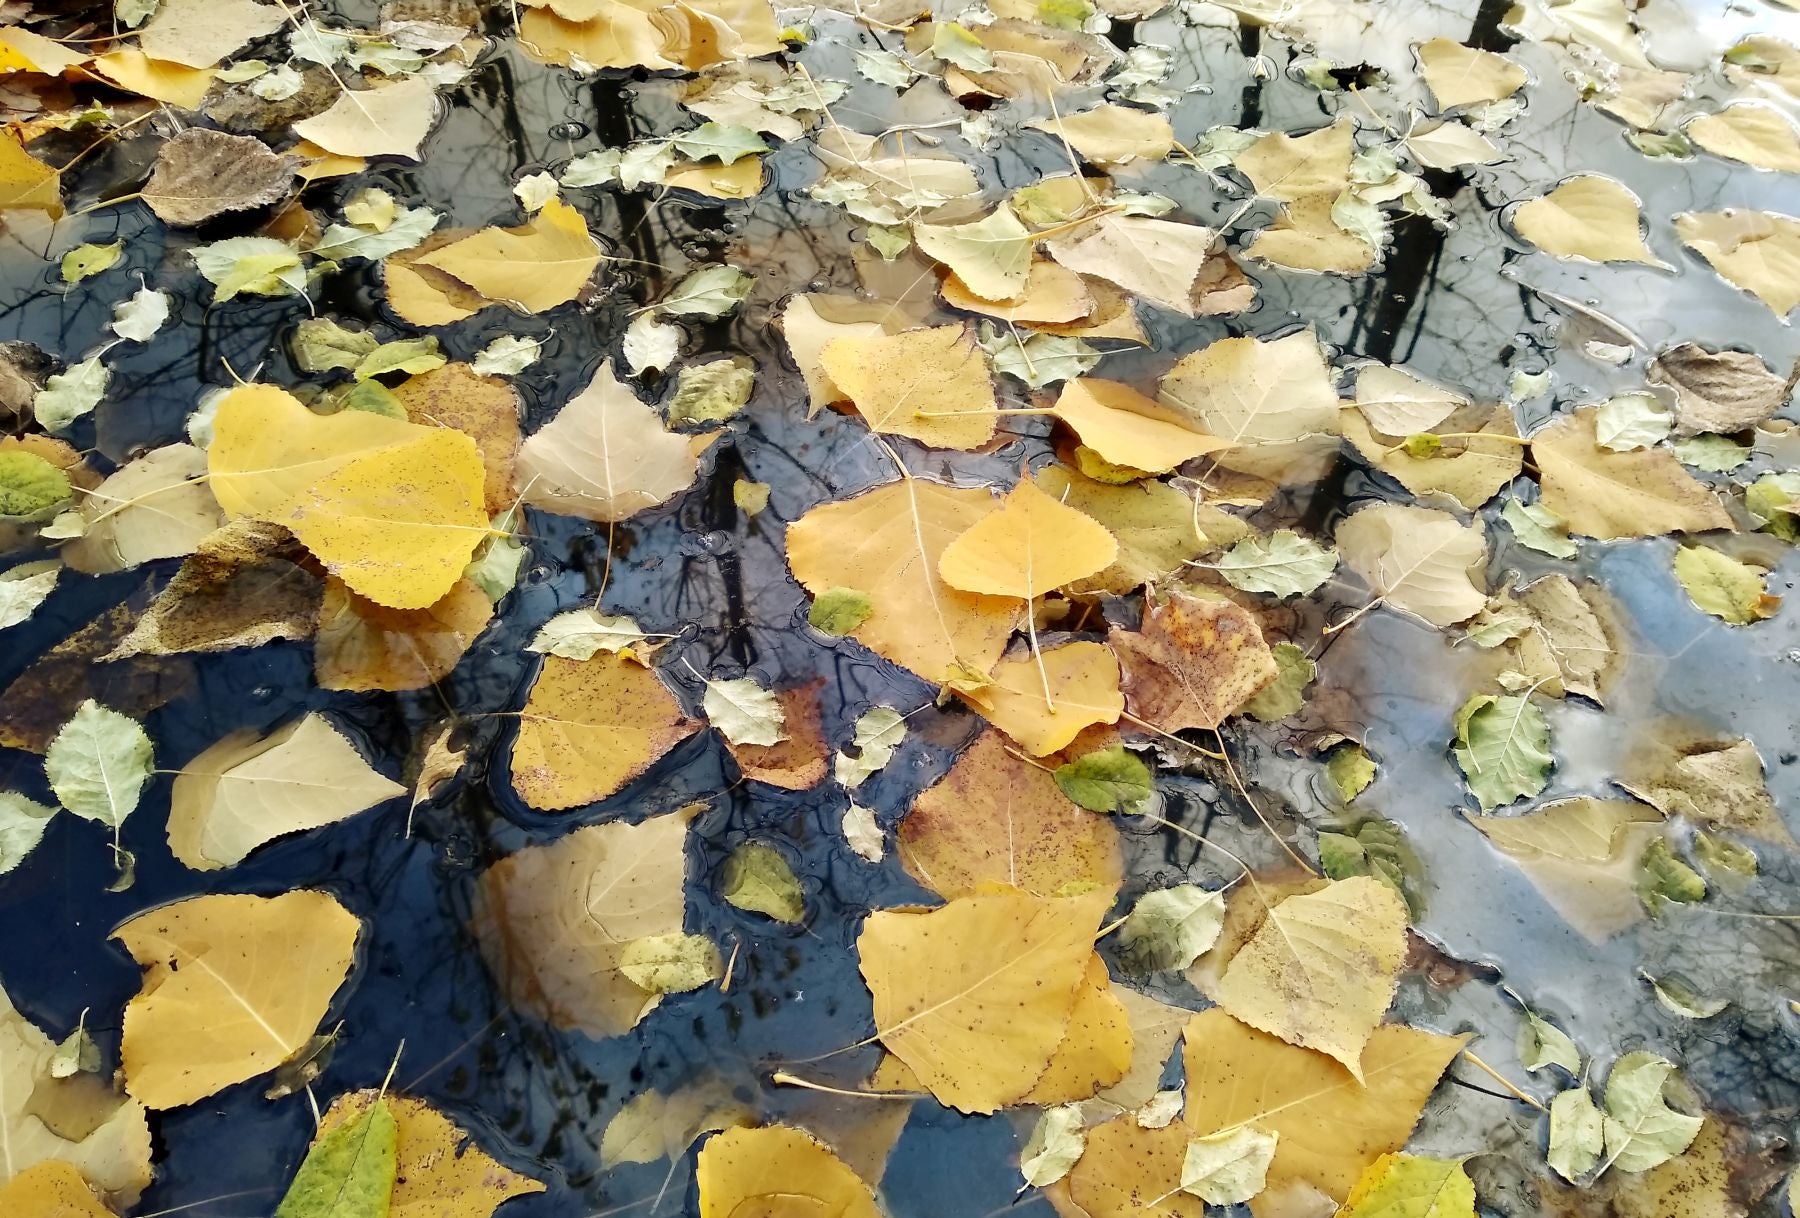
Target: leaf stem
pixel 1502 1080
pixel 793 1080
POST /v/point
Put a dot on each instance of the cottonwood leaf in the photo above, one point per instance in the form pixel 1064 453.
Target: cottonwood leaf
pixel 246 791
pixel 139 318
pixel 99 764
pixel 886 543
pixel 203 173
pixel 1179 267
pixel 1750 132
pixel 1130 1171
pixel 22 825
pixel 441 1169
pixel 1255 393
pixel 996 818
pixel 27 183
pixel 1538 528
pixel 1082 683
pixel 508 355
pixel 199 33
pixel 758 878
pixel 1578 853
pixel 862 833
pixel 580 634
pixel 392 508
pixel 159 505
pixel 1717 391
pixel 1330 1126
pixel 233 986
pixel 1031 546
pixel 390 121
pixel 1588 216
pixel 52 1188
pixel 711 291
pixel 1171 928
pixel 1110 135
pixel 542 263
pixel 554 921
pixel 1157 526
pixel 977 995
pixel 992 256
pixel 1195 663
pixel 1287 692
pixel 1719 584
pixel 1503 748
pixel 1397 403
pixel 1577 1134
pixel 1417 560
pixel 1757 251
pixel 1450 145
pixel 773 1168
pixel 1411 1186
pixel 1607 495
pixel 726 142
pixel 1542 1043
pixel 349 1170
pixel 606 456
pixel 1107 780
pixel 650 344
pixel 1282 564
pixel 591 726
pixel 744 712
pixel 1228 1167
pixel 930 385
pixel 1126 428
pixel 1722 785
pixel 86 261
pixel 1642 1131
pixel 1630 421
pixel 261 266
pixel 1321 969
pixel 671 963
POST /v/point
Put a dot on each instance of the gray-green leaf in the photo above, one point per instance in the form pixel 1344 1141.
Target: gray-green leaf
pixel 1281 564
pixel 757 878
pixel 99 764
pixel 349 1170
pixel 1171 927
pixel 1641 1130
pixel 1503 747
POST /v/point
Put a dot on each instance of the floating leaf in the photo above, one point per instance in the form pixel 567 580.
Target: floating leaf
pixel 99 764
pixel 1107 780
pixel 1665 879
pixel 580 634
pixel 1542 1043
pixel 1642 1131
pixel 1722 785
pixel 1377 848
pixel 70 394
pixel 1588 217
pixel 743 711
pixel 1719 584
pixel 928 385
pixel 1031 546
pixel 1411 1186
pixel 541 264
pixel 203 173
pixel 591 726
pixel 1717 391
pixel 757 877
pixel 671 963
pixel 1538 528
pixel 1045 701
pixel 31 488
pixel 711 291
pixel 1757 251
pixel 1503 748
pixel 1179 267
pixel 349 1170
pixel 1418 560
pixel 390 121
pixel 1577 1134
pixel 773 1168
pixel 1228 1167
pixel 1170 928
pixel 1281 564
pixel 441 1170
pixel 1351 770
pixel 1055 1144
pixel 1127 428
pixel 1195 663
pixel 1287 692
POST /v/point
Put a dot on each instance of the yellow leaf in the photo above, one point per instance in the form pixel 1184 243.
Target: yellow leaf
pixel 1155 524
pixel 442 1171
pixel 1288 168
pixel 802 758
pixel 1084 690
pixel 392 120
pixel 1128 1171
pixel 1329 1126
pixel 742 179
pixel 554 921
pixel 1096 1050
pixel 136 72
pixel 1031 546
pixel 1758 251
pixel 1260 395
pixel 774 1171
pixel 1609 494
pixel 1195 663
pixel 51 1189
pixel 1418 560
pixel 27 182
pixel 1110 135
pixel 991 255
pixel 1581 855
pixel 591 726
pixel 885 543
pixel 113 1151
pixel 1754 134
pixel 484 408
pixel 1469 469
pixel 976 996
pixel 1462 76
pixel 930 385
pixel 542 263
pixel 810 322
pixel 1321 969
pixel 424 295
pixel 31 52
pixel 233 986
pixel 997 819
pixel 199 33
pixel 1176 266
pixel 1127 428
pixel 1588 217
pixel 1306 237
pixel 618 34
pixel 1051 293
pixel 394 509
pixel 1411 1186
pixel 606 456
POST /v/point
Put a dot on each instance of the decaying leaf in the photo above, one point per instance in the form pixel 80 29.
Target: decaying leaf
pixel 203 173
pixel 1721 785
pixel 1581 854
pixel 1607 494
pixel 1195 663
pixel 1717 391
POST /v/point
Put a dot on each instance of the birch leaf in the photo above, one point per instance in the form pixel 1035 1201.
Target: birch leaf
pixel 580 634
pixel 1503 748
pixel 711 291
pixel 1175 266
pixel 99 764
pixel 1055 1145
pixel 1577 1134
pixel 139 318
pixel 1031 546
pixel 1282 564
pixel 1758 251
pixel 744 712
pixel 1641 1130
pixel 1589 217
pixel 1228 1167
pixel 441 1170
pixel 349 1169
pixel 929 385
pixel 1417 560
pixel 1171 928
pixel 991 255
pixel 390 121
pixel 70 394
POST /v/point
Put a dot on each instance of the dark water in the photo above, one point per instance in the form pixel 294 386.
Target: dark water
pixel 1458 306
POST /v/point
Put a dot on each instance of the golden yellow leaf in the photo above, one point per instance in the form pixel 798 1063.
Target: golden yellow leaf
pixel 1330 1127
pixel 885 543
pixel 1096 1050
pixel 1471 469
pixel 1031 546
pixel 1084 690
pixel 774 1171
pixel 1127 428
pixel 136 72
pixel 1418 560
pixel 591 726
pixel 233 986
pixel 1128 1171
pixel 1155 1027
pixel 620 34
pixel 1110 135
pixel 424 295
pixel 1758 251
pixel 1321 969
pixel 1265 397
pixel 1287 167
pixel 810 322
pixel 1155 524
pixel 1607 494
pixel 364 646
pixel 391 120
pixel 1052 293
pixel 247 790
pixel 1588 217
pixel 742 179
pixel 1195 663
pixel 976 996
pixel 442 1171
pixel 800 760
pixel 995 819
pixel 930 385
pixel 484 408
pixel 109 1146
pixel 51 1189
pixel 393 509
pixel 21 50
pixel 542 263
pixel 554 921
pixel 26 181
pixel 1306 237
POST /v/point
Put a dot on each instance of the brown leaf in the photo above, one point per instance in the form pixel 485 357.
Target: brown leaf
pixel 203 173
pixel 364 646
pixel 1195 663
pixel 801 758
pixel 484 408
pixel 1722 391
pixel 1608 494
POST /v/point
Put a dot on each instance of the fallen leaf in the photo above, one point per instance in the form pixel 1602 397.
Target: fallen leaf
pixel 1749 132
pixel 976 996
pixel 1544 1044
pixel 886 543
pixel 1112 136
pixel 483 408
pixel 1107 780
pixel 1758 251
pixel 26 182
pixel 1722 785
pixel 1588 216
pixel 743 711
pixel 1722 391
pixel 233 986
pixel 1127 428
pixel 580 634
pixel 51 1189
pixel 1482 456
pixel 1170 928
pixel 757 877
pixel 162 81
pixel 554 921
pixel 810 322
pixel 1261 396
pixel 1503 748
pixel 1155 525
pixel 1031 546
pixel 606 456
pixel 800 759
pixel 774 1169
pixel 543 263
pixel 1083 690
pixel 1179 267
pixel 591 726
pixel 156 506
pixel 1056 1142
pixel 99 764
pixel 87 260
pixel 672 963
pixel 1282 564
pixel 247 790
pixel 1128 1171
pixel 350 1168
pixel 1194 663
pixel 1579 853
pixel 1607 495
pixel 392 120
pixel 1577 1134
pixel 1641 1130
pixel 1051 293
pixel 1287 692
pixel 1330 1127
pixel 364 646
pixel 995 818
pixel 929 385
pixel 1730 590
pixel 1463 76
pixel 1228 1167
pixel 199 33
pixel 203 173
pixel 1397 403
pixel 1445 146
pixel 992 256
pixel 1411 1186
pixel 1417 560
pixel 441 1170
pixel 653 1126
pixel 391 508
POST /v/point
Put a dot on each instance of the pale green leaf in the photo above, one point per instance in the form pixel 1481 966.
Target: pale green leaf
pixel 1630 421
pixel 1281 564
pixel 261 266
pixel 674 963
pixel 955 44
pixel 1230 1166
pixel 1713 453
pixel 408 355
pixel 757 877
pixel 744 712
pixel 23 588
pixel 508 355
pixel 1641 1130
pixel 495 567
pixel 85 261
pixel 727 142
pixel 1542 1043
pixel 593 168
pixel 1538 528
pixel 1577 1134
pixel 71 393
pixel 1682 1000
pixel 709 292
pixel 878 733
pixel 1041 359
pixel 884 67
pixel 838 611
pixel 1287 692
pixel 139 318
pixel 1055 1145
pixel 862 832
pixel 1503 747
pixel 410 226
pixel 31 488
pixel 650 343
pixel 321 344
pixel 712 392
pixel 1718 584
pixel 1664 879
pixel 1350 769
pixel 22 825
pixel 348 1171
pixel 581 634
pixel 1376 848
pixel 1170 928
pixel 992 255
pixel 99 764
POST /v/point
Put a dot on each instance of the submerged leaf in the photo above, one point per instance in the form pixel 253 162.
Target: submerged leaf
pixel 757 877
